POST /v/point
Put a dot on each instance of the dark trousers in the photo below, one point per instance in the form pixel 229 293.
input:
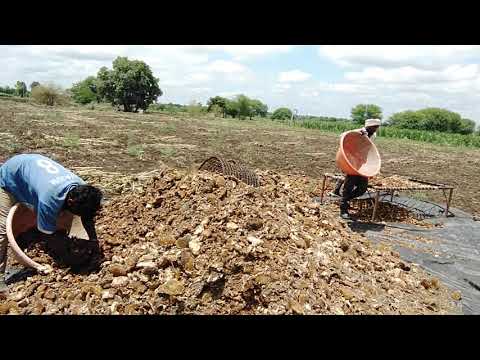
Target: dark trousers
pixel 353 186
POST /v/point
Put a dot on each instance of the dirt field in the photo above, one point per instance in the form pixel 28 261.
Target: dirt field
pixel 200 243
pixel 131 143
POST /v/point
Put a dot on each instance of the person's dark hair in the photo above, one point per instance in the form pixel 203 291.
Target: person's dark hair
pixel 85 200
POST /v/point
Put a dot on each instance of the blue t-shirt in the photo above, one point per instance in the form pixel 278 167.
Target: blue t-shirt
pixel 41 183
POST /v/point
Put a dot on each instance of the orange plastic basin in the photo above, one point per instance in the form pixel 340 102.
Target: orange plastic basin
pixel 21 218
pixel 357 155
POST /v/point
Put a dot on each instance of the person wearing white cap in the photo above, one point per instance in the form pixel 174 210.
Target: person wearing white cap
pixel 355 186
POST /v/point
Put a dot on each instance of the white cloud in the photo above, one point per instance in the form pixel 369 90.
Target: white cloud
pixel 293 76
pixel 409 74
pixel 199 77
pixel 181 69
pixel 231 94
pixel 422 56
pixel 281 88
pixel 395 77
pixel 247 52
pixel 230 71
pixel 410 77
pixel 202 90
pixel 227 67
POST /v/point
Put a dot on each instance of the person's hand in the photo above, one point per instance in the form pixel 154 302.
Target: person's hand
pixel 363 132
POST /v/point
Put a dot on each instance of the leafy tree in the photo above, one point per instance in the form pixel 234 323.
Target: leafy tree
pixel 433 119
pixel 258 108
pixel 244 106
pixel 282 114
pixel 217 102
pixel 467 126
pixel 217 110
pixel 21 89
pixel 232 108
pixel 241 106
pixel 362 112
pixel 407 120
pixel 130 84
pixel 85 92
pixel 8 90
pixel 33 84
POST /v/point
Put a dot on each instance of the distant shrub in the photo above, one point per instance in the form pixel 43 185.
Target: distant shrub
pixel 282 114
pixel 48 95
pixel 194 108
pixel 168 108
pixel 216 110
pixel 85 92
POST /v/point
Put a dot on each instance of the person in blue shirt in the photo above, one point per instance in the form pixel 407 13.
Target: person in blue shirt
pixel 49 189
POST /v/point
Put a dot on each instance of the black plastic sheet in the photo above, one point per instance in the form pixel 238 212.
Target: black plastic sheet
pixel 452 255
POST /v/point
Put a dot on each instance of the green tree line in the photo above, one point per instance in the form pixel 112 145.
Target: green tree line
pixel 432 119
pixel 20 89
pixel 240 107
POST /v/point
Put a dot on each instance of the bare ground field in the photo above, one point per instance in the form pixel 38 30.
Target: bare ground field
pixel 202 243
pixel 132 143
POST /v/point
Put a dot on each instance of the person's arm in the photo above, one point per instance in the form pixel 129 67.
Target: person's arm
pixel 363 132
pixel 47 225
pixel 89 226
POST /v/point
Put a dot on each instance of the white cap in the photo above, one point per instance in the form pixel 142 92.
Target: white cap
pixel 372 122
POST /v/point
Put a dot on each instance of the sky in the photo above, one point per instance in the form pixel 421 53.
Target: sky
pixel 324 80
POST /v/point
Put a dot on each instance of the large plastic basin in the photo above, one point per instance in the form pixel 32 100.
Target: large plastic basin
pixel 357 155
pixel 21 218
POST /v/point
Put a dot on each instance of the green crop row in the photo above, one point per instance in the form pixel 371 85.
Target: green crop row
pixel 443 138
pixel 434 137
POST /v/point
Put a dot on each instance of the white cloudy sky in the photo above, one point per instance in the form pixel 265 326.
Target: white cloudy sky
pixel 322 80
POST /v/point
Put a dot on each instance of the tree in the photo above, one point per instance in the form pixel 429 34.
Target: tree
pixel 48 94
pixel 21 89
pixel 8 90
pixel 282 114
pixel 241 106
pixel 407 120
pixel 362 112
pixel 244 106
pixel 259 108
pixel 33 84
pixel 231 108
pixel 85 91
pixel 433 119
pixel 467 126
pixel 130 84
pixel 217 102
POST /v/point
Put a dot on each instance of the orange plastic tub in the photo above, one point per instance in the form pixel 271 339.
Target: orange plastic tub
pixel 21 218
pixel 357 155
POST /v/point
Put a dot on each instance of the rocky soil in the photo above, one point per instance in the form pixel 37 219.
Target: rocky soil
pixel 199 243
